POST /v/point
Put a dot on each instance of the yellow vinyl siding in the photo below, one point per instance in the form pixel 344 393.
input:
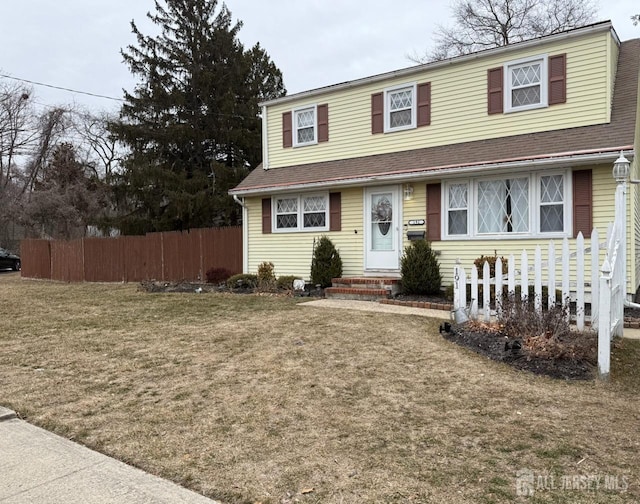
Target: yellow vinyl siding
pixel 458 106
pixel 291 252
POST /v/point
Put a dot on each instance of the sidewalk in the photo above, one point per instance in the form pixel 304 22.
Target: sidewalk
pixel 43 468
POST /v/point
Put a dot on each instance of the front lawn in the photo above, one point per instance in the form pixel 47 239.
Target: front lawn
pixel 249 398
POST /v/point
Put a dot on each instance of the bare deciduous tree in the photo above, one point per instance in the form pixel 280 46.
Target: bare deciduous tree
pixel 99 148
pixel 483 24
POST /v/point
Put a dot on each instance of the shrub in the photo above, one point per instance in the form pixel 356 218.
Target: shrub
pixel 479 262
pixel 266 278
pixel 325 263
pixel 243 281
pixel 285 282
pixel 420 269
pixel 217 275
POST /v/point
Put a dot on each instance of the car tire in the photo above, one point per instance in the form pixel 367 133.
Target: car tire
pixel 17 266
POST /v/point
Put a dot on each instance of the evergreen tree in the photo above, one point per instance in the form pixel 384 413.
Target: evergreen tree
pixel 192 123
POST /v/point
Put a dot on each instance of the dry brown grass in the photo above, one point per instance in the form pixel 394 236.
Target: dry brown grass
pixel 256 399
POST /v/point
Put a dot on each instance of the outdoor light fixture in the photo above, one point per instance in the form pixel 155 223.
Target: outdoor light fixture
pixel 621 169
pixel 408 192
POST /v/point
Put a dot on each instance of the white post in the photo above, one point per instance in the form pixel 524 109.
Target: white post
pixel 486 292
pixel 566 259
pixel 474 292
pixel 463 288
pixel 511 276
pixel 499 285
pixel 538 279
pixel 604 322
pixel 456 285
pixel 580 282
pixel 551 279
pixel 595 283
pixel 524 275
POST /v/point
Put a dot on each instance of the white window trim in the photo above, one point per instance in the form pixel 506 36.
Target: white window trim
pixel 294 125
pixel 544 83
pixel 300 228
pixel 534 208
pixel 414 107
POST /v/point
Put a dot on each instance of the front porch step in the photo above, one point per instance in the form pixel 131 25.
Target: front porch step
pixel 357 293
pixel 392 285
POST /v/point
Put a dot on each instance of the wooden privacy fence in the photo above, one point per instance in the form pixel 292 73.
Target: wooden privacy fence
pixel 554 273
pixel 171 256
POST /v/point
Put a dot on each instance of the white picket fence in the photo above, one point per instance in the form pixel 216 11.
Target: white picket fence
pixel 554 272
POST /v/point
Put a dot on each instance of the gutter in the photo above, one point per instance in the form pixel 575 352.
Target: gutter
pixel 245 233
pixel 566 159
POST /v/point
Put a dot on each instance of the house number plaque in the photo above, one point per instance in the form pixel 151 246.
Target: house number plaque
pixel 419 222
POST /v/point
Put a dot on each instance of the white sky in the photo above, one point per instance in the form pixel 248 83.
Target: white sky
pixel 76 43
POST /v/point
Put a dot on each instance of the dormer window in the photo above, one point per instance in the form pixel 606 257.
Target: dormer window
pixel 304 124
pixel 526 84
pixel 400 108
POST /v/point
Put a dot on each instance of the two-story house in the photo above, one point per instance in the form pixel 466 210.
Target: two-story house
pixel 492 151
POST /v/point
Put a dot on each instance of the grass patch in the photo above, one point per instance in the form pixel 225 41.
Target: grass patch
pixel 249 398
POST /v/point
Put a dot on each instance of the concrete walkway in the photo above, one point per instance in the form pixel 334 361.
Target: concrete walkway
pixel 347 304
pixel 39 467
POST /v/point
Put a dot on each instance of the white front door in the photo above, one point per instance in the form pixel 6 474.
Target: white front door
pixel 382 228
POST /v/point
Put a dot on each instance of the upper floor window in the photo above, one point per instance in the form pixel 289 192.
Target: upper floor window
pixel 400 109
pixel 526 206
pixel 304 125
pixel 307 212
pixel 526 83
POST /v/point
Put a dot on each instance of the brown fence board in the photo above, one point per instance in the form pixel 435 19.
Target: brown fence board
pixel 67 261
pixel 35 256
pixel 171 256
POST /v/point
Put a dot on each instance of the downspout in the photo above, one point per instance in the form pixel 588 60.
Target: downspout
pixel 245 233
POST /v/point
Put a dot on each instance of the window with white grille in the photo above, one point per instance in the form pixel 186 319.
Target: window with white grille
pixel 304 126
pixel 536 204
pixel 526 84
pixel 400 108
pixel 302 212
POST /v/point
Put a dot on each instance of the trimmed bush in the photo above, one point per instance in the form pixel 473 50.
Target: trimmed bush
pixel 420 269
pixel 217 275
pixel 479 262
pixel 266 277
pixel 285 282
pixel 325 263
pixel 243 281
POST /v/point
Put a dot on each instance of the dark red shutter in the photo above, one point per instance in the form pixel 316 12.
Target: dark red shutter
pixel 494 91
pixel 377 113
pixel 424 104
pixel 335 211
pixel 582 203
pixel 266 215
pixel 433 212
pixel 323 123
pixel 287 138
pixel 557 79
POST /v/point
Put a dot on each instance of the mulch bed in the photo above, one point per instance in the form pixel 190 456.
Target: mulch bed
pixel 492 343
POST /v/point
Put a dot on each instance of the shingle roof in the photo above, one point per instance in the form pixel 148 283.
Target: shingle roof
pixel 610 137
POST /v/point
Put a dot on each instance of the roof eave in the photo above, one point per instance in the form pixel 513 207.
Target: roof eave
pixel 553 160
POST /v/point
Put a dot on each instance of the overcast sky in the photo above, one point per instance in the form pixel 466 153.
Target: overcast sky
pixel 76 43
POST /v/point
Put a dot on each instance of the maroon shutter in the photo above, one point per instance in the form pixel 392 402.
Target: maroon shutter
pixel 424 104
pixel 494 91
pixel 582 203
pixel 287 138
pixel 323 123
pixel 433 212
pixel 335 211
pixel 266 215
pixel 377 113
pixel 557 79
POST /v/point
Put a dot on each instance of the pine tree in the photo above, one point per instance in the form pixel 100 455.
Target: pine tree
pixel 192 123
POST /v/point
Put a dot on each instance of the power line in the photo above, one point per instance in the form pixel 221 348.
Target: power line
pixel 62 88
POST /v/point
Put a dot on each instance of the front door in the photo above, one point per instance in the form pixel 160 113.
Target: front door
pixel 382 228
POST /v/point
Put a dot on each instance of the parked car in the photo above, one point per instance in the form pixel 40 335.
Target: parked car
pixel 9 260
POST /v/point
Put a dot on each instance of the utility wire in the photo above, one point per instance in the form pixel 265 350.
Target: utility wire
pixel 62 88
